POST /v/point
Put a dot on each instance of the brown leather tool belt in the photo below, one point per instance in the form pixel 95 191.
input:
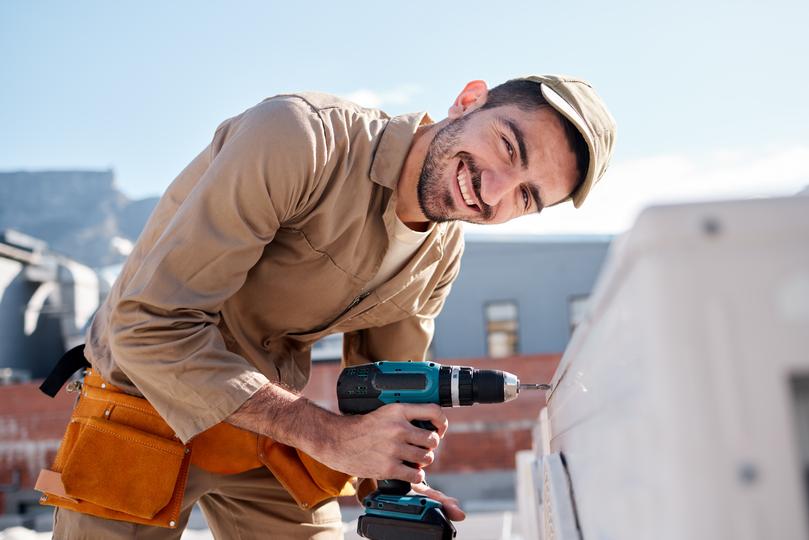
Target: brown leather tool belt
pixel 120 460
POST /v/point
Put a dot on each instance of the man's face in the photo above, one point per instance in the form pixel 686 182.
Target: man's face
pixel 492 165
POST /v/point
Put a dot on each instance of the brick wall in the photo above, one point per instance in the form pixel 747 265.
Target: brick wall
pixel 31 425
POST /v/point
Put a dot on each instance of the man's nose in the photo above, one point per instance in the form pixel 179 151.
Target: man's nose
pixel 494 186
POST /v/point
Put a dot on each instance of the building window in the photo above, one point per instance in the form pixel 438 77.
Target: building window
pixel 576 310
pixel 501 328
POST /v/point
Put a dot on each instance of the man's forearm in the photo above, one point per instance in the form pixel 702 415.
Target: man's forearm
pixel 373 445
pixel 285 417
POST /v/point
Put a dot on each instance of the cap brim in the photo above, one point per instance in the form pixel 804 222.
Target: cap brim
pixel 565 109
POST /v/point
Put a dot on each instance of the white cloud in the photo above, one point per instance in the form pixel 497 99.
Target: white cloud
pixel 400 95
pixel 631 185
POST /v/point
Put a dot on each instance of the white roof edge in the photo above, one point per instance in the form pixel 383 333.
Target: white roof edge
pixel 537 238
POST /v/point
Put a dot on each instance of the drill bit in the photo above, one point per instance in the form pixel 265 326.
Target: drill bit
pixel 534 386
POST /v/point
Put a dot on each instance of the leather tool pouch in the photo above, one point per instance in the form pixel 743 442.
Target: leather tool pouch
pixel 118 460
pixel 307 480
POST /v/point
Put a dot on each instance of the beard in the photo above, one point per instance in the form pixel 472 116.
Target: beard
pixel 434 194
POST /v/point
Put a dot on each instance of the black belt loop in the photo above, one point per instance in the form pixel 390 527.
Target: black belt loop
pixel 72 361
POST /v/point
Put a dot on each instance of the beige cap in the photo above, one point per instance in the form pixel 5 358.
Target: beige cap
pixel 577 101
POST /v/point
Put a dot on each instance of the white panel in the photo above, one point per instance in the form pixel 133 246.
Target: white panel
pixel 8 271
pixel 558 517
pixel 529 492
pixel 36 303
pixel 672 404
pixel 86 292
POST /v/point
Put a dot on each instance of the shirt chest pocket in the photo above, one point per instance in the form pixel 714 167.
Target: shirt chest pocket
pixel 294 288
pixel 407 302
pixel 364 312
pixel 382 313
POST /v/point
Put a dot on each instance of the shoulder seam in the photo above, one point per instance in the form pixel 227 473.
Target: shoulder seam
pixel 324 133
pixel 314 109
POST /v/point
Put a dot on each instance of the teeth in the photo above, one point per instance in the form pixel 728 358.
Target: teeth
pixel 466 190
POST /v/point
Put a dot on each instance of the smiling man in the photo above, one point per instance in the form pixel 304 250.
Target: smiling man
pixel 306 215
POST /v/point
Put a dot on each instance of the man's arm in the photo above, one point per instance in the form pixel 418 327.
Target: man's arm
pixel 258 173
pixel 374 445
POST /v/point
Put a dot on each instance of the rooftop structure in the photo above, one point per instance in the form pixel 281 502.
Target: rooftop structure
pixel 680 409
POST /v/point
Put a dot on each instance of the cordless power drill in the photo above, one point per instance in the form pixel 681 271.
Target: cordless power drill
pixel 390 513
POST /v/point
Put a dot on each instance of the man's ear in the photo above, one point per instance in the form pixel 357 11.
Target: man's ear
pixel 472 97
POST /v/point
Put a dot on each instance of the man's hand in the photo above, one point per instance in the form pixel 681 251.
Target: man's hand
pixel 451 505
pixel 373 445
pixel 376 444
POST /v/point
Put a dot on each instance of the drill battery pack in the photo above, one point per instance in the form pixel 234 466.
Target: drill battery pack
pixel 415 517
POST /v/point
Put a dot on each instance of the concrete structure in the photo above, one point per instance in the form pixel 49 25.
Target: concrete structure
pixel 681 407
pixel 45 302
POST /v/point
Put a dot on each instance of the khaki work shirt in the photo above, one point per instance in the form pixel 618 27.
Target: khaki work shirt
pixel 260 247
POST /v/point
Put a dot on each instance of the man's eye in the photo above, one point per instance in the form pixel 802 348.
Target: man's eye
pixel 526 198
pixel 509 148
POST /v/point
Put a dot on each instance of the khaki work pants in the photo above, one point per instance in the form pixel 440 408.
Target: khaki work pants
pixel 245 506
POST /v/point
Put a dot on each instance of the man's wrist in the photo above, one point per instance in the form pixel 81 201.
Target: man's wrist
pixel 311 428
pixel 300 423
pixel 285 417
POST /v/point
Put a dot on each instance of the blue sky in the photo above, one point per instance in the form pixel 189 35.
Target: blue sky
pixel 710 98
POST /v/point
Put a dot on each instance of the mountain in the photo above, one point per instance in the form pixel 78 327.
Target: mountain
pixel 81 214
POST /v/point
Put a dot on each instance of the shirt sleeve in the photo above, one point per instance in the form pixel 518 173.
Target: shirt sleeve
pixel 410 338
pixel 263 167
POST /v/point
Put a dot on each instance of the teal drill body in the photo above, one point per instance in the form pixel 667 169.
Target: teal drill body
pixel 390 513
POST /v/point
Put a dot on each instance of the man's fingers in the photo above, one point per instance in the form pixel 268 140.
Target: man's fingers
pixel 454 511
pixel 451 504
pixel 408 474
pixel 430 412
pixel 417 456
pixel 423 438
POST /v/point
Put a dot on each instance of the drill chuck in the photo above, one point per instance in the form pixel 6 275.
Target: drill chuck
pixel 460 386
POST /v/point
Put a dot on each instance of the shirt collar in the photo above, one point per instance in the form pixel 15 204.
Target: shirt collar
pixel 393 147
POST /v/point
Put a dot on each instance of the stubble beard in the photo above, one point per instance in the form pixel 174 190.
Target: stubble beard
pixel 435 197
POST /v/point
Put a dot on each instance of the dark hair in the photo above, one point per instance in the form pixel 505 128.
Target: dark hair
pixel 527 96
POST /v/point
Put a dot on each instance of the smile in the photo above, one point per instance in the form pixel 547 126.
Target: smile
pixel 465 185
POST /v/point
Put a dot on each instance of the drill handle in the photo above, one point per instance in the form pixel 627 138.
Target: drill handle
pixel 400 487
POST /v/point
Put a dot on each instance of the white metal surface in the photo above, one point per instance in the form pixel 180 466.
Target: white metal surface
pixel 529 494
pixel 558 516
pixel 673 404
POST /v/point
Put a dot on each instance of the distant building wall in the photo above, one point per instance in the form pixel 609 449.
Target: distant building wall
pixel 543 276
pixel 540 282
pixel 31 426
